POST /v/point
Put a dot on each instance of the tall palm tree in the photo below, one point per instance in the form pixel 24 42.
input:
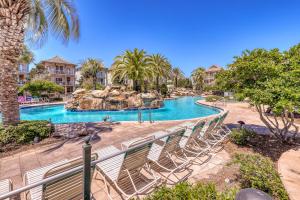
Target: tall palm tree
pixel 161 67
pixel 198 78
pixel 90 69
pixel 134 65
pixel 177 74
pixel 35 18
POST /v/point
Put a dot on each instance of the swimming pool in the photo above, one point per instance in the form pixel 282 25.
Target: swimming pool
pixel 179 109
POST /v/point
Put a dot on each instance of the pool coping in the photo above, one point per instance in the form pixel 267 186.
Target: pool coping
pixel 41 104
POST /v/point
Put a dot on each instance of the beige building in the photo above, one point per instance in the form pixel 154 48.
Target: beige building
pixel 61 72
pixel 210 74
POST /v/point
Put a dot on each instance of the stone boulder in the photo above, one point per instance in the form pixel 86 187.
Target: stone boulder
pixel 114 93
pixel 111 98
pixel 97 104
pixel 79 91
pixel 99 93
pixel 148 95
pixel 85 103
pixel 135 101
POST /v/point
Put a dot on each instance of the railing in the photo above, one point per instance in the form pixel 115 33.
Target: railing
pixel 86 168
pixel 70 83
pixel 62 72
pixel 60 83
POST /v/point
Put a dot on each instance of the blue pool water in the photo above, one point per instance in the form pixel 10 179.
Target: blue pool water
pixel 182 108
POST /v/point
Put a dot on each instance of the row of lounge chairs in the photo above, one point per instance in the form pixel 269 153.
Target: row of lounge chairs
pixel 31 100
pixel 140 165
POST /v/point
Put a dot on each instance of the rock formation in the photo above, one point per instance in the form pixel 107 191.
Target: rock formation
pixel 113 98
pixel 183 92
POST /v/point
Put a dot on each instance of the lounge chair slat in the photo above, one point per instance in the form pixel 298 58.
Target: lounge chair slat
pixel 5 187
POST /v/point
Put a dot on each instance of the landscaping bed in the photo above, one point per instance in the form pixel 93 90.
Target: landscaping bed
pixel 24 136
pixel 253 164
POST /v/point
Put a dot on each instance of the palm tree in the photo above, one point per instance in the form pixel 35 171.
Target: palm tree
pixel 35 18
pixel 198 78
pixel 161 67
pixel 90 69
pixel 177 74
pixel 26 56
pixel 134 65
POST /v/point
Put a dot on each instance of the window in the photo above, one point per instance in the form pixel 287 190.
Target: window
pixel 69 89
pixel 58 80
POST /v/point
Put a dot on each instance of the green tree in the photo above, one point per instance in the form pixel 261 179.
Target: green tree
pixel 270 80
pixel 26 56
pixel 177 74
pixel 161 67
pixel 90 69
pixel 198 78
pixel 185 83
pixel 37 87
pixel 38 72
pixel 35 19
pixel 133 65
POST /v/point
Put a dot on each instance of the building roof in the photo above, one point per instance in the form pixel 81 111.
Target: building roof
pixel 214 68
pixel 57 59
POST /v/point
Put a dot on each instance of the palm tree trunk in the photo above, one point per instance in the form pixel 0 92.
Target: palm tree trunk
pixel 11 43
pixel 95 83
pixel 176 82
pixel 157 83
pixel 135 85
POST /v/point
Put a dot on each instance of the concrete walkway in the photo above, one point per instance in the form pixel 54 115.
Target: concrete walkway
pixel 289 169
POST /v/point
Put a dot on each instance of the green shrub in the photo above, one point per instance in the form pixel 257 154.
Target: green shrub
pixel 205 191
pixel 213 98
pixel 257 171
pixel 186 191
pixel 25 132
pixel 241 136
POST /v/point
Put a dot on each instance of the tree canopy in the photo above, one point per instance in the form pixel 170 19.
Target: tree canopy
pixel 161 67
pixel 37 87
pixel 177 74
pixel 26 56
pixel 90 69
pixel 134 65
pixel 270 80
pixel 198 78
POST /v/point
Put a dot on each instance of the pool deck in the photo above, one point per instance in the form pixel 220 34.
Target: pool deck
pixel 15 166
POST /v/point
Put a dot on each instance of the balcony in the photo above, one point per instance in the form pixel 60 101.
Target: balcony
pixel 70 83
pixel 65 72
pixel 60 83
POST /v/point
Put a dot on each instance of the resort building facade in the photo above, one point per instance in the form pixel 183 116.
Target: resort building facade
pixel 61 72
pixel 23 73
pixel 210 74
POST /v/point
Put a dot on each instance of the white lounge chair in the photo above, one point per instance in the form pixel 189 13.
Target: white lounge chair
pixel 129 172
pixel 36 175
pixel 164 154
pixel 217 131
pixel 192 142
pixel 69 187
pixel 5 187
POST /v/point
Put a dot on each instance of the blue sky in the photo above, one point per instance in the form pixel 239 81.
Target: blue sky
pixel 190 33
